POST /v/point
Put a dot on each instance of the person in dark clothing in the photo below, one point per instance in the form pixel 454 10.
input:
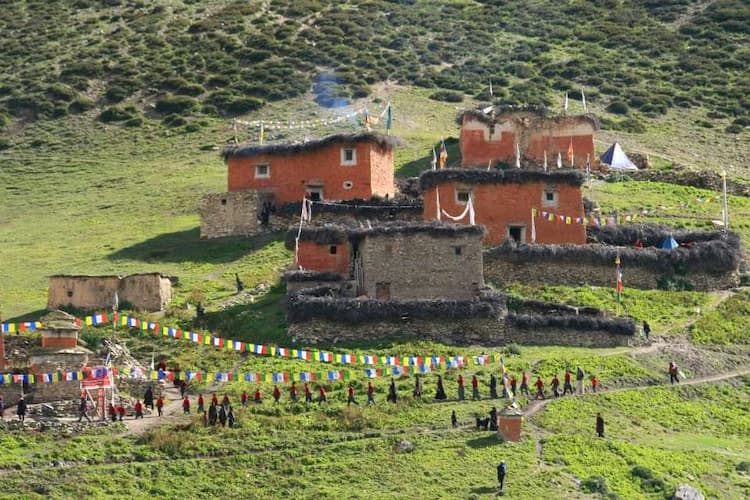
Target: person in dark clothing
pixel 493 387
pixel 440 393
pixel 212 413
pixel 599 425
pixel 308 394
pixel 392 394
pixel 243 398
pixel 351 396
pixel 121 411
pixel 239 283
pixel 200 313
pixel 258 397
pixel 21 409
pixel 222 415
pixel 513 384
pixel 501 470
pixel 201 402
pixel 580 375
pixel 322 396
pixel 186 405
pixel 539 388
pixel 493 419
pixel 293 392
pixel 231 419
pixel 276 394
pixel 461 393
pixel 454 419
pixel 112 411
pixel 225 400
pixel 214 400
pixel 418 387
pixel 83 410
pixel 646 329
pixel 148 398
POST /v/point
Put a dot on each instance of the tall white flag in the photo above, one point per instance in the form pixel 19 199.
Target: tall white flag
pixel 434 159
pixel 583 99
pixel 559 160
pixel 566 102
pixel 545 160
pixel 518 156
pixel 491 94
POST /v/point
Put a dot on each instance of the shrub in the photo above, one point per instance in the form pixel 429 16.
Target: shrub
pixel 642 472
pixel 60 92
pixel 134 122
pixel 595 484
pixel 80 105
pixel 4 143
pixel 743 467
pixel 92 340
pixel 653 484
pixel 171 104
pixel 618 108
pixel 174 120
pixel 116 93
pixel 115 114
pixel 447 96
pixel 513 349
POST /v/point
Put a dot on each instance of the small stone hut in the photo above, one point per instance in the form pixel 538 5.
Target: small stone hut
pixel 145 291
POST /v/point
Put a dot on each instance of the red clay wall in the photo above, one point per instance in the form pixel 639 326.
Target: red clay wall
pixel 60 342
pixel 290 174
pixel 315 257
pixel 499 205
pixel 480 143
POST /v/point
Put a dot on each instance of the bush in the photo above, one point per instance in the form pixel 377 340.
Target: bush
pixel 80 105
pixel 743 467
pixel 653 485
pixel 134 122
pixel 178 104
pixel 116 93
pixel 5 143
pixel 92 340
pixel 513 349
pixel 595 484
pixel 447 96
pixel 115 114
pixel 618 108
pixel 642 472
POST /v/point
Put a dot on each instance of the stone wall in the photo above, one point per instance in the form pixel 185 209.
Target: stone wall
pixel 229 214
pixel 421 266
pixel 501 270
pixel 484 331
pixel 147 292
pixel 565 337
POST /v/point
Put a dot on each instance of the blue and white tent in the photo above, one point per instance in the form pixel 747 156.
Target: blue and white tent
pixel 616 158
pixel 669 244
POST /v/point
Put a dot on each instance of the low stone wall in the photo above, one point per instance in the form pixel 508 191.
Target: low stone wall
pixel 565 337
pixel 501 270
pixel 229 214
pixel 484 331
pixel 145 291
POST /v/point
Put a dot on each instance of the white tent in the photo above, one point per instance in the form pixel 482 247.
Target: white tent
pixel 616 158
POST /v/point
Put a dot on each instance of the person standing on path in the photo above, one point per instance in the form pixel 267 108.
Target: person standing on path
pixel 258 397
pixel 418 387
pixel 370 393
pixel 474 388
pixel 673 373
pixel 568 387
pixel 351 396
pixel 392 394
pixel 276 394
pixel 461 394
pixel 501 470
pixel 580 375
pixel 594 383
pixel 599 425
pixel 238 282
pixel 440 393
pixel 186 405
pixel 201 408
pixel 525 384
pixel 21 409
pixel 493 419
pixel 513 384
pixel 148 398
pixel 293 392
pixel 308 394
pixel 539 388
pixel 138 409
pixel 83 409
pixel 454 419
pixel 160 406
pixel 646 330
pixel 555 386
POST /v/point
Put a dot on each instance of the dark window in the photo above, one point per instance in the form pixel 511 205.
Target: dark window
pixel 314 195
pixel 70 293
pixel 223 201
pixel 457 250
pixel 383 291
pixel 549 195
pixel 516 233
pixel 333 249
pixel 463 196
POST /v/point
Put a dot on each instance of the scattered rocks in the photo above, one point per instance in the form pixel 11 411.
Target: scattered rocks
pixel 404 446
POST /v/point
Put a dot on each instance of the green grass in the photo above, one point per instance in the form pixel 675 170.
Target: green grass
pixel 729 323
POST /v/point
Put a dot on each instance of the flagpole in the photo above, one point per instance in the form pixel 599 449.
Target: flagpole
pixel 618 282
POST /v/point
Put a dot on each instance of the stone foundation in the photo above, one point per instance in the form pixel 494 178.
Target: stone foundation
pixel 566 337
pixel 484 331
pixel 500 270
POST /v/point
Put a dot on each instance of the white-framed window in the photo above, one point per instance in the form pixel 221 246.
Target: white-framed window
pixel 262 171
pixel 348 157
pixel 462 196
pixel 550 197
pixel 314 193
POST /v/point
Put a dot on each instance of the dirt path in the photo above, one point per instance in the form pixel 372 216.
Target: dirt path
pixel 537 404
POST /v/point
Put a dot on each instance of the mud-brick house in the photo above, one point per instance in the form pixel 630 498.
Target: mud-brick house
pixel 399 261
pixel 504 201
pixel 144 291
pixel 337 167
pixel 499 135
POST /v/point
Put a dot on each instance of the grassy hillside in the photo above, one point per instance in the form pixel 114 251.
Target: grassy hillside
pixel 111 116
